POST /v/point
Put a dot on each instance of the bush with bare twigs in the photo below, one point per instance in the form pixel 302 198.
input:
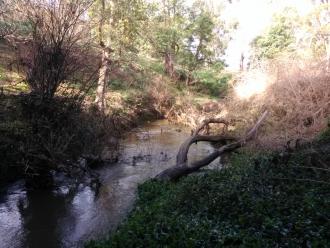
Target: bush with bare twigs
pixel 57 49
pixel 297 96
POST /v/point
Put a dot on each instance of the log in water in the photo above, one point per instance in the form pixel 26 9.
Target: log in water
pixel 69 216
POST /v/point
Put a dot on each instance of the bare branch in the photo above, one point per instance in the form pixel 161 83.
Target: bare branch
pixel 58 48
pixel 209 121
pixel 182 169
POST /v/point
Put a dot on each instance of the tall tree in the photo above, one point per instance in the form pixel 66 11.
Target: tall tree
pixel 119 22
pixel 278 38
pixel 317 26
pixel 188 35
pixel 167 28
pixel 205 38
pixel 101 84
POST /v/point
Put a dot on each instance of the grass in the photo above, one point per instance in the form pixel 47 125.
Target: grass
pixel 10 80
pixel 265 200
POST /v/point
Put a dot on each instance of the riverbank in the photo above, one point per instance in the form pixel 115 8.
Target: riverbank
pixel 68 132
pixel 73 213
pixel 259 200
pixel 39 137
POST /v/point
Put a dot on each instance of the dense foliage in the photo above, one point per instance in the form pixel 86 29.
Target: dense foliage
pixel 294 33
pixel 277 39
pixel 274 200
pixel 37 137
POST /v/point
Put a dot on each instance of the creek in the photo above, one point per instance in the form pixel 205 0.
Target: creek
pixel 70 216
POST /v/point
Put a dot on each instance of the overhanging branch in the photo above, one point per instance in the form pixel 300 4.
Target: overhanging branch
pixel 181 168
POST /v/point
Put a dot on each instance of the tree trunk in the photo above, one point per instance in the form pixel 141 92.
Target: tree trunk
pixel 189 79
pixel 169 64
pixel 102 81
pixel 241 62
pixel 182 168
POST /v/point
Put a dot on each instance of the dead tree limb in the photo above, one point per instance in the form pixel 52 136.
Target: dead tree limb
pixel 182 168
pixel 182 156
pixel 209 121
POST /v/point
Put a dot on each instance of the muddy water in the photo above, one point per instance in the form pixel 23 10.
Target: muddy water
pixel 67 217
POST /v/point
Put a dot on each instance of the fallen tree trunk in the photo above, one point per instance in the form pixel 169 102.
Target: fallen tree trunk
pixel 182 168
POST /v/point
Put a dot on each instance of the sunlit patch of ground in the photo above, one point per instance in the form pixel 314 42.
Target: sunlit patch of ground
pixel 10 80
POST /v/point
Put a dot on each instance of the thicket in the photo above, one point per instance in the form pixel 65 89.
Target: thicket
pixel 42 131
pixel 297 94
pixel 289 75
pixel 39 136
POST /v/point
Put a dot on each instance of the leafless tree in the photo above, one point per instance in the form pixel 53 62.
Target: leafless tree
pixel 57 49
pixel 7 21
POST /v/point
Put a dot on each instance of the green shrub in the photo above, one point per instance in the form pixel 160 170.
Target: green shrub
pixel 117 85
pixel 258 201
pixel 211 83
pixel 157 67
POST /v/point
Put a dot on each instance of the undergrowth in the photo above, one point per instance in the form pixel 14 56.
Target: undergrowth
pixel 296 93
pixel 39 135
pixel 277 199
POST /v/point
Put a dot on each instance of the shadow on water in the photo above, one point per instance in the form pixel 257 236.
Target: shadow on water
pixel 70 216
pixel 41 222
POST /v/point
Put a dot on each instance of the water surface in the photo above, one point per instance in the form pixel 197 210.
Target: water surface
pixel 67 217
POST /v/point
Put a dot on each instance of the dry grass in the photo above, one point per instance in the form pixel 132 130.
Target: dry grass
pixel 183 107
pixel 298 97
pixel 160 91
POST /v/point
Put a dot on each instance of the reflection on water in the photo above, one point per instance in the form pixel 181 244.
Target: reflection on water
pixel 68 218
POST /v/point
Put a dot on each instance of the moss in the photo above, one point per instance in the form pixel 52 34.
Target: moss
pixel 258 201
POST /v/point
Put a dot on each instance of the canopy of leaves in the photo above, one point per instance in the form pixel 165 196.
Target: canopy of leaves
pixel 276 40
pixel 199 34
pixel 317 30
pixel 122 23
pixel 196 35
pixel 166 25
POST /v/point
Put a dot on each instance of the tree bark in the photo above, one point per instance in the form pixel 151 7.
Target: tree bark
pixel 105 62
pixel 102 81
pixel 169 64
pixel 182 168
pixel 182 156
